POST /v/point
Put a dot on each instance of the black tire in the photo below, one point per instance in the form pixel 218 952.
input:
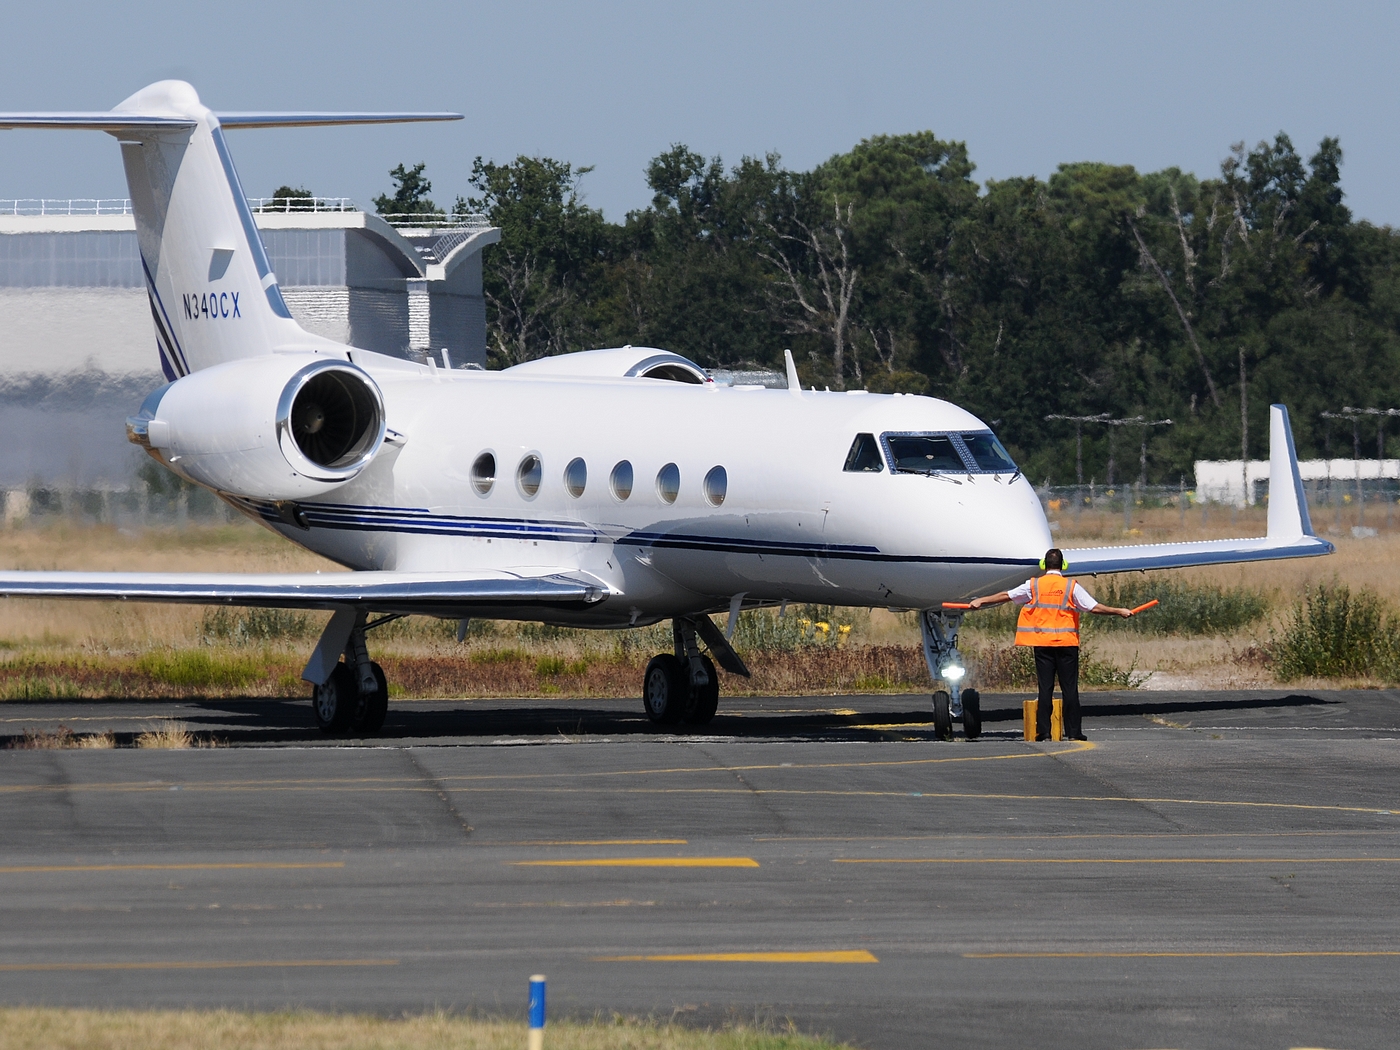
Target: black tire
pixel 665 689
pixel 972 713
pixel 942 716
pixel 704 699
pixel 369 715
pixel 336 703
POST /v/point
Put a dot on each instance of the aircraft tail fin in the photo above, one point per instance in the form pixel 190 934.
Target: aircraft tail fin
pixel 214 296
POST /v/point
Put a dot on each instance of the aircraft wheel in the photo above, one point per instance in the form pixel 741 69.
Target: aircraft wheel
pixel 972 713
pixel 369 716
pixel 665 689
pixel 336 702
pixel 704 699
pixel 942 716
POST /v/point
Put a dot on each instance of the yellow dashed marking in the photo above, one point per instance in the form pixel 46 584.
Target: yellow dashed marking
pixel 642 862
pixel 861 956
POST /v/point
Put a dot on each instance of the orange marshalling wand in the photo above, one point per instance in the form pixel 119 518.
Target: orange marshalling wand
pixel 1148 605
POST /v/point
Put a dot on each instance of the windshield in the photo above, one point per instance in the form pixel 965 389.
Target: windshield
pixel 924 454
pixel 988 453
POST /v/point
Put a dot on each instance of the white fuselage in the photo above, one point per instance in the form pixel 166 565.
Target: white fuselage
pixel 793 525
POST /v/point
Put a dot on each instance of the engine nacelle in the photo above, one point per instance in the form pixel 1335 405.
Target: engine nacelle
pixel 283 426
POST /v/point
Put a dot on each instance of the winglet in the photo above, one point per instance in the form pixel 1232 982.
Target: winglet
pixel 794 384
pixel 1288 507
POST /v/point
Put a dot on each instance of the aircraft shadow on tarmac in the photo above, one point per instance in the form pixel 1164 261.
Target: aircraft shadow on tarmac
pixel 239 721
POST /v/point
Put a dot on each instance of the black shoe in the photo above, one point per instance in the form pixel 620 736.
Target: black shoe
pixel 1042 739
pixel 1077 736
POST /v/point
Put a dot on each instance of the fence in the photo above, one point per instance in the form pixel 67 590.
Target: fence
pixel 1360 507
pixel 141 504
pixel 74 206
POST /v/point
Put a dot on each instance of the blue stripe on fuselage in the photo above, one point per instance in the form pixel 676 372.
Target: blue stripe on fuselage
pixel 419 521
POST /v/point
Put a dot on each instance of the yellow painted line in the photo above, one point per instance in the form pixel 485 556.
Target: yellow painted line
pixel 861 956
pixel 1116 860
pixel 1179 955
pixel 229 964
pixel 258 865
pixel 602 842
pixel 641 862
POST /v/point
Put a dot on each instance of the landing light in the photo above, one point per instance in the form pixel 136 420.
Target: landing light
pixel 953 670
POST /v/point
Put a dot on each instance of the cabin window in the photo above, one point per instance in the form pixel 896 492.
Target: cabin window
pixel 528 475
pixel 484 473
pixel 864 457
pixel 576 477
pixel 924 454
pixel 668 483
pixel 716 486
pixel 988 453
pixel 620 481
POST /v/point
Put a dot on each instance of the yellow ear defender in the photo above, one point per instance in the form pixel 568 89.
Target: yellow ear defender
pixel 1064 565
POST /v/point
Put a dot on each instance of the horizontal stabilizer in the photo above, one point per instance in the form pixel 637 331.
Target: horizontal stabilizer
pixel 1290 533
pixel 105 121
pixel 117 122
pixel 323 120
pixel 402 592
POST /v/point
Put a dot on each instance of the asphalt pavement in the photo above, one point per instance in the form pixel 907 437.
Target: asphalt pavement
pixel 1208 870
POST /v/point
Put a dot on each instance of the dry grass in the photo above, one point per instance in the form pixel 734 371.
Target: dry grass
pixel 171 736
pixel 61 739
pixel 53 1029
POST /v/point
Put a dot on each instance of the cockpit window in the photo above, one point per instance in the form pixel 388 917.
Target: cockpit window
pixel 924 454
pixel 988 453
pixel 864 456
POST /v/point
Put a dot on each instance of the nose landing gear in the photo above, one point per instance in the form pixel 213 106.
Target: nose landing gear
pixel 945 664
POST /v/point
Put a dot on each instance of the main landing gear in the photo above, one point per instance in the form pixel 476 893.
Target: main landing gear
pixel 945 664
pixel 683 686
pixel 354 696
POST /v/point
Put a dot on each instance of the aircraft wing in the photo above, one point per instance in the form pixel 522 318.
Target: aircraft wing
pixel 1290 533
pixel 402 592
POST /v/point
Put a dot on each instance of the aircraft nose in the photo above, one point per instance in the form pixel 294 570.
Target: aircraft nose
pixel 1013 522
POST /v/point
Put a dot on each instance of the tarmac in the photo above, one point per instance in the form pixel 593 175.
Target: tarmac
pixel 1207 870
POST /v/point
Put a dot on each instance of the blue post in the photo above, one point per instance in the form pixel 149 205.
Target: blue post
pixel 536 1012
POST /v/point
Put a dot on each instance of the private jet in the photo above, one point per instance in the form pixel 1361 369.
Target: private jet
pixel 607 489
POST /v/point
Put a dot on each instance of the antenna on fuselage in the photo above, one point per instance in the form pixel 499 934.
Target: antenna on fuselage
pixel 794 384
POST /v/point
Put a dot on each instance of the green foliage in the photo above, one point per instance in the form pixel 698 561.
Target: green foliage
pixel 200 668
pixel 1186 608
pixel 261 627
pixel 411 191
pixel 47 687
pixel 289 198
pixel 763 630
pixel 554 666
pixel 1099 289
pixel 1333 633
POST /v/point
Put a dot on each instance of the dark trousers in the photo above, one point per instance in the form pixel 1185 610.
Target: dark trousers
pixel 1060 661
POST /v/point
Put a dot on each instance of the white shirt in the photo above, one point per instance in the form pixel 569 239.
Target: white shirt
pixel 1082 599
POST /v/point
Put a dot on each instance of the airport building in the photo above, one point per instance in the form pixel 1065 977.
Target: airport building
pixel 78 350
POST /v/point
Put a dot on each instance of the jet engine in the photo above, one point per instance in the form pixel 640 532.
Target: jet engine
pixel 278 427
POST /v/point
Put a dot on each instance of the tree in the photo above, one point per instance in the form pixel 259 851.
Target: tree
pixel 550 250
pixel 288 198
pixel 411 191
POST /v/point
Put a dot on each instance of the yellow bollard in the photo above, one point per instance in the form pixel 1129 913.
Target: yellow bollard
pixel 1057 719
pixel 1028 717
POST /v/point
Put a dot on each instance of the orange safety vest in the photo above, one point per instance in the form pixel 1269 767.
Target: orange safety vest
pixel 1050 617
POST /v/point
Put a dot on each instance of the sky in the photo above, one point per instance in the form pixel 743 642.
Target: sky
pixel 1027 86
